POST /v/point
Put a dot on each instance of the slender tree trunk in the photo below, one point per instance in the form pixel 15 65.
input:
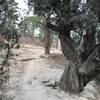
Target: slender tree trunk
pixel 33 31
pixel 57 40
pixel 47 41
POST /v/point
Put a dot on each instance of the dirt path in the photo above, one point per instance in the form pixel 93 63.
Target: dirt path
pixel 37 71
pixel 32 73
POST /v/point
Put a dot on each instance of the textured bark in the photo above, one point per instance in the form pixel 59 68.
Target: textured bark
pixel 70 80
pixel 47 41
pixel 84 63
pixel 77 73
pixel 89 69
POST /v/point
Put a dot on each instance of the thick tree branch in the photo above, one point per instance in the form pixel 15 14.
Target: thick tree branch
pixel 53 27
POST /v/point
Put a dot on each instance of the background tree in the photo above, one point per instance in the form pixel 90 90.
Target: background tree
pixel 8 20
pixel 28 26
pixel 40 5
pixel 9 35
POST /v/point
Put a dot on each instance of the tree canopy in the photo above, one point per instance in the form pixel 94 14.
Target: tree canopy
pixel 69 13
pixel 8 19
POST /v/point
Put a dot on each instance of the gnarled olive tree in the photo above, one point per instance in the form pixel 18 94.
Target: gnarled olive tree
pixel 67 16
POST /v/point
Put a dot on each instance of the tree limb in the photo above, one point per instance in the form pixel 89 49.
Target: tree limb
pixel 53 27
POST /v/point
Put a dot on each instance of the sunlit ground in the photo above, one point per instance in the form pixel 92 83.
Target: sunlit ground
pixel 32 76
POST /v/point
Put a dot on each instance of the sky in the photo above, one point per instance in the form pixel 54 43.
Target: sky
pixel 22 4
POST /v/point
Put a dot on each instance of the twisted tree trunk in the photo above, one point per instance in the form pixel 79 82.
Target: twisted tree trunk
pixel 70 80
pixel 78 72
pixel 83 61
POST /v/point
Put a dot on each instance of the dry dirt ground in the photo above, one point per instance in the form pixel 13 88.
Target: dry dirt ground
pixel 33 74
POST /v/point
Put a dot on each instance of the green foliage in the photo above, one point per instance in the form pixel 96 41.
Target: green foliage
pixel 98 34
pixel 41 36
pixel 68 14
pixel 29 24
pixel 76 36
pixel 95 7
pixel 60 13
pixel 8 20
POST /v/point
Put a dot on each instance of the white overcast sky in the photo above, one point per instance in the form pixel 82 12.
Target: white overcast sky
pixel 22 4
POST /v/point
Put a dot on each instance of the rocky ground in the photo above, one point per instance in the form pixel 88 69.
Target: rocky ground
pixel 32 76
